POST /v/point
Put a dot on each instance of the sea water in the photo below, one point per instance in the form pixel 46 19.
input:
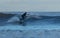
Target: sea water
pixel 50 22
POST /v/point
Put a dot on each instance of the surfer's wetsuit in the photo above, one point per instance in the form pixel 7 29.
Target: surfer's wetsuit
pixel 23 17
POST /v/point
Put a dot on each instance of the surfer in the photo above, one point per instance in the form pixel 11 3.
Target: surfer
pixel 23 17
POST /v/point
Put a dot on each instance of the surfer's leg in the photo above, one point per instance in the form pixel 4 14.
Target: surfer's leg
pixel 23 22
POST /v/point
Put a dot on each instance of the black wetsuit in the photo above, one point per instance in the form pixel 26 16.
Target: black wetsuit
pixel 23 17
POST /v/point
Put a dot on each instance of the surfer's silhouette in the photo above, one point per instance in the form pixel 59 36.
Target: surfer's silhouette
pixel 23 17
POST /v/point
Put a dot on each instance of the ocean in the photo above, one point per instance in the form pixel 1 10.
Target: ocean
pixel 47 20
pixel 37 25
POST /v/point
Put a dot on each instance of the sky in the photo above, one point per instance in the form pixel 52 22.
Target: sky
pixel 30 5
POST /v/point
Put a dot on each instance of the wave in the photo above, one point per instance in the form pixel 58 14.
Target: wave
pixel 41 18
pixel 4 16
